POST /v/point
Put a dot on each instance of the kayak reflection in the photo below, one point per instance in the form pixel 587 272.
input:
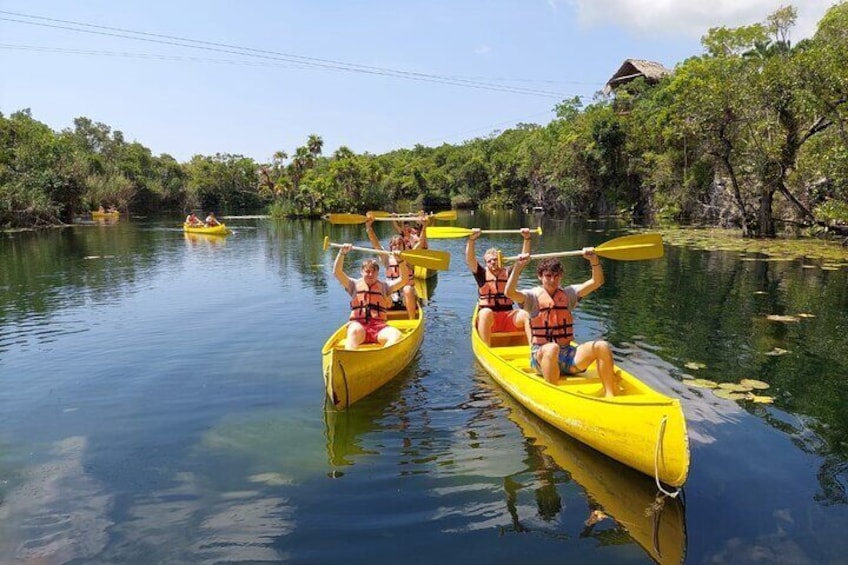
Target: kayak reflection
pixel 653 520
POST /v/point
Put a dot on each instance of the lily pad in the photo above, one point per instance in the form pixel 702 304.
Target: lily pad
pixel 753 383
pixel 694 365
pixel 777 351
pixel 729 394
pixel 702 383
pixel 735 387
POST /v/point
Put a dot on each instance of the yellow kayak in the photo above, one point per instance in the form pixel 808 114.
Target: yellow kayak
pixel 220 229
pixel 640 427
pixel 352 375
pixel 654 521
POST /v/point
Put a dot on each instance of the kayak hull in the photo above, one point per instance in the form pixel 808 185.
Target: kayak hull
pixel 350 376
pixel 220 229
pixel 423 272
pixel 639 427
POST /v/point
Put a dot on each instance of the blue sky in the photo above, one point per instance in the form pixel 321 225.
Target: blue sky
pixel 257 76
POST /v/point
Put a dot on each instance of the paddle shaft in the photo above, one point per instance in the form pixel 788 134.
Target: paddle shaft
pixel 448 232
pixel 366 249
pixel 547 255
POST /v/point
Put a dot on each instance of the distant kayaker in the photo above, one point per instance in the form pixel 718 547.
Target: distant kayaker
pixel 101 209
pixel 415 236
pixel 495 310
pixel 551 329
pixel 369 299
pixel 193 220
pixel 406 297
pixel 211 220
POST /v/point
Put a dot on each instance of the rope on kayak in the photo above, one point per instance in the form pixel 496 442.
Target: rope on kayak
pixel 657 461
pixel 347 389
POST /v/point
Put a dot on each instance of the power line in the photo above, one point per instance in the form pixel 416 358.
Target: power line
pixel 301 61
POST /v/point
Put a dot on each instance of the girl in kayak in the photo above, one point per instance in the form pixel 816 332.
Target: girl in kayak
pixel 551 329
pixel 369 299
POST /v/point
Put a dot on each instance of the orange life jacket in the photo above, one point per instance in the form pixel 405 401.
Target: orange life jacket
pixel 492 292
pixel 369 303
pixel 393 270
pixel 554 322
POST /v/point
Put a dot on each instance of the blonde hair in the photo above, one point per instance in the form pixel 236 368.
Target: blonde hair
pixel 370 265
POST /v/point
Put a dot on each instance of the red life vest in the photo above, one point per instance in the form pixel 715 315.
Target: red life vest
pixel 554 322
pixel 393 270
pixel 369 303
pixel 492 292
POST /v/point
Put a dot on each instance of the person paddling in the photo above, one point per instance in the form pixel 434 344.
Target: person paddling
pixel 551 329
pixel 211 220
pixel 369 299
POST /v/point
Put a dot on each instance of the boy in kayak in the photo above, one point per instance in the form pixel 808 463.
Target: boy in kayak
pixel 551 332
pixel 369 299
pixel 495 311
pixel 392 264
pixel 193 220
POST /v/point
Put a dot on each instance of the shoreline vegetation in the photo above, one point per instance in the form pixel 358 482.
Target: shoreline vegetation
pixel 751 135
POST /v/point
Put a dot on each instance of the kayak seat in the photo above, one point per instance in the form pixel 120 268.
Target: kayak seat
pixel 503 339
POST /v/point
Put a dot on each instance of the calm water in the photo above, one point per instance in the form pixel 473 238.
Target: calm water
pixel 161 401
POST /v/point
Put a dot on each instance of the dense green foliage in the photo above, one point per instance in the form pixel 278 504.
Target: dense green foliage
pixel 751 134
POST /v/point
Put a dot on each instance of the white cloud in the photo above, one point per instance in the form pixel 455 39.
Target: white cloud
pixel 693 18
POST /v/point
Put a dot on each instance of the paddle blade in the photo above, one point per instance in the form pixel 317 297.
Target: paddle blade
pixel 380 213
pixel 447 215
pixel 345 219
pixel 632 247
pixel 446 232
pixel 434 259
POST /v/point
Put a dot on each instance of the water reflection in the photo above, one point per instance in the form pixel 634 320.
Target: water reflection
pixel 203 240
pixel 641 513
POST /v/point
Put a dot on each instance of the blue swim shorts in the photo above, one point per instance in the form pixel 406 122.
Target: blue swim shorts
pixel 566 359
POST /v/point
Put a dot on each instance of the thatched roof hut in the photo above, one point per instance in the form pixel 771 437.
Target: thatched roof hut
pixel 634 68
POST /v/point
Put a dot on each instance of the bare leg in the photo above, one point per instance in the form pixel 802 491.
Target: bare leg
pixel 388 336
pixel 485 321
pixel 600 352
pixel 355 335
pixel 548 358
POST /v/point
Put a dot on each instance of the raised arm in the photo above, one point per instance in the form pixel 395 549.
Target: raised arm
pixel 369 229
pixel 511 289
pixel 422 233
pixel 525 247
pixel 470 253
pixel 338 266
pixel 403 279
pixel 597 278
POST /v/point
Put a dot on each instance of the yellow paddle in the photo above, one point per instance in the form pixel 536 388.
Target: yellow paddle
pixel 452 232
pixel 625 248
pixel 434 259
pixel 447 215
